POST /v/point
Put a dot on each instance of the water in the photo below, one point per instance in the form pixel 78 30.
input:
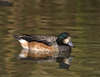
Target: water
pixel 80 18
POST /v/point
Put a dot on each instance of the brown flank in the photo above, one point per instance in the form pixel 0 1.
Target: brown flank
pixel 41 46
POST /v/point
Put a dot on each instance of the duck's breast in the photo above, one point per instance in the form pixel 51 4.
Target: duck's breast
pixel 64 51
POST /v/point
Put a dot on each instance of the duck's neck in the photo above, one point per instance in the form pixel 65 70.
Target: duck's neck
pixel 59 42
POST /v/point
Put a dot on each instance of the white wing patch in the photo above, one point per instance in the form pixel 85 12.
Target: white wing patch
pixel 24 43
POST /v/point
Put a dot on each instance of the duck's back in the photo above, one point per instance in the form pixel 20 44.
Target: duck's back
pixel 44 37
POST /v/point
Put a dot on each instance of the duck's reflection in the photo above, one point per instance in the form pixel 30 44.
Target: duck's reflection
pixel 26 55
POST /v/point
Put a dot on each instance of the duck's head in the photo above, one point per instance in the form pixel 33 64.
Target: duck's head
pixel 64 39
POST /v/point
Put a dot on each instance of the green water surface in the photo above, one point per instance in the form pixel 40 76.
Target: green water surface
pixel 81 18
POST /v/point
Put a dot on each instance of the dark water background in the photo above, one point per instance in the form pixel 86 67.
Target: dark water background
pixel 81 18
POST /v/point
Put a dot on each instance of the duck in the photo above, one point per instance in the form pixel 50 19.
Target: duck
pixel 42 46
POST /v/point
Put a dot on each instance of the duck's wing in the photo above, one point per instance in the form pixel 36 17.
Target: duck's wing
pixel 49 40
pixel 44 37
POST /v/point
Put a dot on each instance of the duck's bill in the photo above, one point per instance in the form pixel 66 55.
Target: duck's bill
pixel 70 44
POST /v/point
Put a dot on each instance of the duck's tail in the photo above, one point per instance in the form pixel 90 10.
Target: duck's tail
pixel 23 36
pixel 17 37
